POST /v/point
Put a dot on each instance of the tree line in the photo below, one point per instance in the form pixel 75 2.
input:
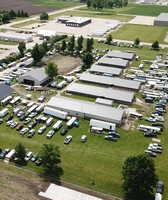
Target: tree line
pixel 6 16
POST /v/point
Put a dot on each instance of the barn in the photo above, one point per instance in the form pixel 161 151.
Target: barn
pixel 35 77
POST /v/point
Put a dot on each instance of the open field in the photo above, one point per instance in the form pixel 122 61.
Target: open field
pixel 134 9
pixel 35 7
pixel 144 33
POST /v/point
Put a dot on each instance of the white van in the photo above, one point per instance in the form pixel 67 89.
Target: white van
pixel 16 110
pixel 57 125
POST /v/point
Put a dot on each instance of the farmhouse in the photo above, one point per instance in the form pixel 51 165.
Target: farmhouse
pixel 106 93
pixel 119 54
pixel 74 21
pixel 103 70
pixel 161 20
pixel 35 77
pixel 111 81
pixel 113 62
pixel 89 110
pixel 15 37
pixel 5 91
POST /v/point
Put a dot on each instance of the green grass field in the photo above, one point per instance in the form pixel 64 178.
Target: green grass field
pixel 144 33
pixel 134 9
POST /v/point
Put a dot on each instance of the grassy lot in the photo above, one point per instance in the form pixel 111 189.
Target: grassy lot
pixel 144 33
pixel 56 3
pixel 20 25
pixel 96 14
pixel 8 42
pixel 134 9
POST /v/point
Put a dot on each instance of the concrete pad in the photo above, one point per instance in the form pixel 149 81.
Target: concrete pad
pixel 142 20
pixel 56 192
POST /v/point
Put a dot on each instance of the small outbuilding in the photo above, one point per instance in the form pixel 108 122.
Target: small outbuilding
pixel 35 77
pixel 161 20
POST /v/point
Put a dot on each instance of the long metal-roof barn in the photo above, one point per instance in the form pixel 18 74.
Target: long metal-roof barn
pixel 119 54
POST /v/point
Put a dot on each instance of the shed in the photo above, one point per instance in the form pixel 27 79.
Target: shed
pixel 161 20
pixel 35 77
pixel 105 102
pixel 5 91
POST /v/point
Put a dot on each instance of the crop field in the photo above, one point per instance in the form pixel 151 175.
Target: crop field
pixel 134 9
pixel 144 33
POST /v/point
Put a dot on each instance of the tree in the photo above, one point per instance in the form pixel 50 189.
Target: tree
pixel 63 45
pixel 109 39
pixel 71 44
pixel 51 70
pixel 12 14
pixel 155 45
pixel 37 53
pixel 79 43
pixel 89 44
pixel 22 48
pixel 44 16
pixel 89 3
pixel 88 59
pixel 5 17
pixel 20 152
pixel 139 177
pixel 50 155
pixel 137 42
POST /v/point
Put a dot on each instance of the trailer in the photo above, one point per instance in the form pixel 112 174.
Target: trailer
pixel 32 108
pixel 30 104
pixel 71 121
pixel 49 121
pixel 61 84
pixel 40 108
pixel 95 129
pixel 102 124
pixel 10 156
pixel 6 100
pixel 38 118
pixel 15 100
pixel 57 125
pixel 142 127
pixel 55 112
pixel 4 112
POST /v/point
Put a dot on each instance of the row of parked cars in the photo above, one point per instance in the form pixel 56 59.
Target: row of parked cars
pixel 112 136
pixel 153 149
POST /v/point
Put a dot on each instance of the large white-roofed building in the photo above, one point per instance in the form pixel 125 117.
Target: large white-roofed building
pixel 16 37
pixel 89 110
pixel 47 33
pixel 111 81
pixel 121 96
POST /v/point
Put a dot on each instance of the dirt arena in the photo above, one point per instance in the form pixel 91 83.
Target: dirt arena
pixel 27 6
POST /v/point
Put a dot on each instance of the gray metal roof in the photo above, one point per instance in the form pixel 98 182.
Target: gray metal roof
pixel 90 108
pixel 37 73
pixel 108 93
pixel 105 69
pixel 162 17
pixel 117 62
pixel 120 54
pixel 5 91
pixel 111 81
pixel 15 35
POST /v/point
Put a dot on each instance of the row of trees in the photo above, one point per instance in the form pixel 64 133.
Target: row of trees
pixel 100 4
pixel 50 155
pixel 6 16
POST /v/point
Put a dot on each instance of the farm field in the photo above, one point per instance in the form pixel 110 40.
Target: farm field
pixel 134 9
pixel 144 33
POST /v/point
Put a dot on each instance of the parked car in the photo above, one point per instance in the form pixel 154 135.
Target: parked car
pixel 41 129
pixel 24 131
pixel 83 138
pixel 19 127
pixel 22 117
pixel 27 120
pixel 150 133
pixel 9 117
pixel 50 134
pixel 68 139
pixel 4 153
pixel 14 124
pixel 150 119
pixel 39 162
pixel 160 187
pixel 64 131
pixel 161 110
pixel 1 121
pixel 32 124
pixel 160 118
pixel 33 114
pixel 9 123
pixel 20 113
pixel 110 137
pixel 161 126
pixel 28 156
pixel 150 153
pixel 34 157
pixel 114 134
pixel 31 133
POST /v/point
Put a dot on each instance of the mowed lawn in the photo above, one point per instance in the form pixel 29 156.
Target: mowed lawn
pixel 144 33
pixel 96 159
